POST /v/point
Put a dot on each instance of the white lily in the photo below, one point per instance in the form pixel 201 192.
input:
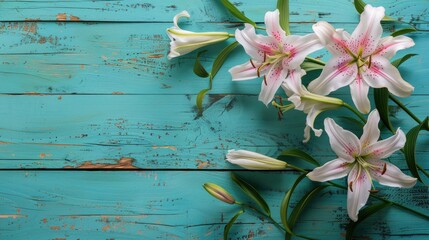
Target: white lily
pixel 183 41
pixel 272 56
pixel 310 103
pixel 254 161
pixel 360 160
pixel 361 59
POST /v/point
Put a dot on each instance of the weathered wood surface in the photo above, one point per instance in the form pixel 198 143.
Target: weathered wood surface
pixel 173 205
pixel 86 85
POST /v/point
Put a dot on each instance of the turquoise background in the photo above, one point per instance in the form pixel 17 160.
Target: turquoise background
pixel 99 137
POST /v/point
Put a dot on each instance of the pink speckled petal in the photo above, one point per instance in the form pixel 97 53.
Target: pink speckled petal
pixel 344 143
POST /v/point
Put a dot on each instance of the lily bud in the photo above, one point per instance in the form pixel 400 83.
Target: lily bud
pixel 219 192
pixel 254 161
pixel 183 42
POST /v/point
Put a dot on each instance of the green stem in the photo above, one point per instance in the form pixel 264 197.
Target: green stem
pixel 315 60
pixel 422 170
pixel 258 27
pixel 296 168
pixel 263 214
pixel 356 112
pixel 401 105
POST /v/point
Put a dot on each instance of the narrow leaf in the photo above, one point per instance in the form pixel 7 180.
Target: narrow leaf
pixel 293 152
pixel 403 31
pixel 220 59
pixel 401 60
pixel 237 13
pixel 410 147
pixel 302 204
pixel 200 98
pixel 283 7
pixel 359 5
pixel 250 191
pixel 364 214
pixel 381 98
pixel 230 223
pixel 217 64
pixel 285 204
pixel 199 69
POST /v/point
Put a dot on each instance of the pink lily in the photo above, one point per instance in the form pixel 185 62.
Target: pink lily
pixel 272 56
pixel 361 60
pixel 360 159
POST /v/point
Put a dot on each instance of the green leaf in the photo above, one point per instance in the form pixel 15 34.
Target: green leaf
pixel 200 98
pixel 364 214
pixel 302 204
pixel 410 147
pixel 234 10
pixel 403 31
pixel 359 5
pixel 293 152
pixel 250 191
pixel 285 204
pixel 283 7
pixel 199 69
pixel 401 60
pixel 381 98
pixel 230 223
pixel 217 64
pixel 220 59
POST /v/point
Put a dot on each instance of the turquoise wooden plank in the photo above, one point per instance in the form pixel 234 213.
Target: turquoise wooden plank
pixel 158 131
pixel 173 205
pixel 90 59
pixel 202 10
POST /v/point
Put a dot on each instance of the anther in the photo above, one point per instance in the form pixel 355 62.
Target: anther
pixel 373 191
pixel 351 186
pixel 265 56
pixel 369 61
pixel 384 169
pixel 251 62
pixel 265 80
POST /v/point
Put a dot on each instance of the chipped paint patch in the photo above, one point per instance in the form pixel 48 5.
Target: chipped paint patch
pixel 14 216
pixel 74 18
pixel 202 164
pixel 123 163
pixel 165 147
pixel 61 17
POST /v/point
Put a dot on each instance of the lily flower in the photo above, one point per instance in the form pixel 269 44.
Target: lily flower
pixel 360 159
pixel 254 161
pixel 361 60
pixel 272 56
pixel 183 41
pixel 308 102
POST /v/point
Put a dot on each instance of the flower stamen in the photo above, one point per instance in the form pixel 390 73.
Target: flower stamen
pixel 251 62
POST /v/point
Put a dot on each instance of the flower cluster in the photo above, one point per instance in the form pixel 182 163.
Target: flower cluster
pixel 359 60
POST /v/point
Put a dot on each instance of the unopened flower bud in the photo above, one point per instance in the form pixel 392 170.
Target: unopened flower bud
pixel 219 193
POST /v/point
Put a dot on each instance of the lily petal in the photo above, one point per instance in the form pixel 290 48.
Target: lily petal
pixel 255 45
pixel 331 170
pixel 337 73
pixel 385 148
pixel 335 40
pixel 358 192
pixel 248 70
pixel 299 47
pixel 388 46
pixel 371 133
pixel 383 74
pixel 274 79
pixel 367 34
pixel 178 16
pixel 272 20
pixel 359 91
pixel 389 175
pixel 344 143
pixel 311 117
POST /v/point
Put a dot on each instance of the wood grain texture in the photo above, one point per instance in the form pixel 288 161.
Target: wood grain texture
pixel 173 205
pixel 85 85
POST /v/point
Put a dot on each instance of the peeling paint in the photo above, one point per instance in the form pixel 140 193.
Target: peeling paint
pixel 165 147
pixel 123 163
pixel 14 216
pixel 61 17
